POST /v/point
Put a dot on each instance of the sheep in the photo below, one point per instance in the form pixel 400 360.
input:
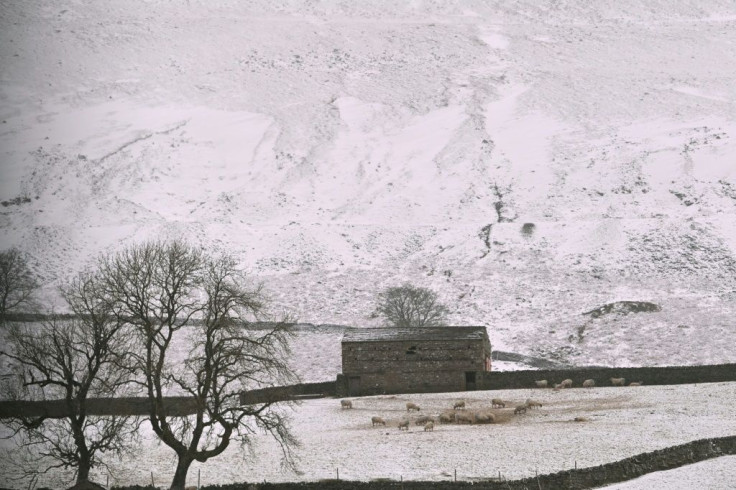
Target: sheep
pixel 460 404
pixel 498 403
pixel 520 409
pixel 447 417
pixel 566 383
pixel 484 418
pixel 404 424
pixel 533 403
pixel 635 383
pixel 346 404
pixel 589 383
pixel 557 387
pixel 464 417
pixel 411 406
pixel 429 426
pixel 618 381
pixel 541 383
pixel 377 421
pixel 424 419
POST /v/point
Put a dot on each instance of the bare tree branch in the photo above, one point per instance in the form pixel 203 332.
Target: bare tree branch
pixel 410 306
pixel 158 288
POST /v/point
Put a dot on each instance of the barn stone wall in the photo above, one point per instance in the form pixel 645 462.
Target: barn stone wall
pixel 413 356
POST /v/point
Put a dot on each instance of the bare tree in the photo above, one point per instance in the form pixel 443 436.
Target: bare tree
pixel 163 288
pixel 17 283
pixel 410 306
pixel 71 360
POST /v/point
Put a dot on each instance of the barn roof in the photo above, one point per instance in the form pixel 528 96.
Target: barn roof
pixel 419 333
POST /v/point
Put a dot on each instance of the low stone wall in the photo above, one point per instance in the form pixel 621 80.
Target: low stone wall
pixel 285 393
pixel 592 477
pixel 177 406
pixel 669 375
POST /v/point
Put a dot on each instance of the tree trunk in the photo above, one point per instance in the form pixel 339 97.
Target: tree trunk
pixel 180 477
pixel 83 470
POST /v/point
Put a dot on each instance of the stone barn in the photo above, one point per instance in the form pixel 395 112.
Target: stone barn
pixel 413 360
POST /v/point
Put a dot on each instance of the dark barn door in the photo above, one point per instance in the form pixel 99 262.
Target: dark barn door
pixel 354 385
pixel 469 380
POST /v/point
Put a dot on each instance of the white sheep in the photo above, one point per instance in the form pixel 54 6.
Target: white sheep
pixel 377 421
pixel 424 419
pixel 404 424
pixel 346 404
pixel 429 426
pixel 411 406
pixel 461 417
pixel 484 418
pixel 447 417
pixel 460 404
pixel 541 383
pixel 635 383
pixel 498 403
pixel 589 383
pixel 533 403
pixel 557 387
pixel 566 383
pixel 520 409
pixel 618 381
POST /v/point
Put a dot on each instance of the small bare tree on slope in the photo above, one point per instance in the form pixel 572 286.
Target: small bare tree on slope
pixel 71 360
pixel 410 306
pixel 17 283
pixel 161 288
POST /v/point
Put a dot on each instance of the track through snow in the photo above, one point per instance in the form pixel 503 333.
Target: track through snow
pixel 528 160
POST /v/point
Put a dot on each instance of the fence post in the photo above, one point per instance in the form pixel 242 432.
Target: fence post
pixel 455 474
pixel 338 473
pixel 199 475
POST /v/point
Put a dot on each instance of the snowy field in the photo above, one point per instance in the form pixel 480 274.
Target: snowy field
pixel 622 422
pixel 529 160
pixel 712 474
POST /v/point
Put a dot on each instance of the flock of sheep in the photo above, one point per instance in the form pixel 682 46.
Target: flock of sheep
pixel 588 383
pixel 458 414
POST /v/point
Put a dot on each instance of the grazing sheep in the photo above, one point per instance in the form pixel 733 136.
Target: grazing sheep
pixel 460 404
pixel 424 419
pixel 557 387
pixel 377 421
pixel 589 383
pixel 635 383
pixel 484 418
pixel 429 426
pixel 533 403
pixel 520 409
pixel 346 404
pixel 447 417
pixel 498 403
pixel 404 424
pixel 566 383
pixel 464 417
pixel 618 381
pixel 411 406
pixel 541 383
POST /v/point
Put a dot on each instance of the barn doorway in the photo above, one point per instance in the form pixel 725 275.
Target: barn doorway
pixel 353 385
pixel 469 380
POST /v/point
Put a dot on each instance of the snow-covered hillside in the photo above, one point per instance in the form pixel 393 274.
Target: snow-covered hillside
pixel 531 161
